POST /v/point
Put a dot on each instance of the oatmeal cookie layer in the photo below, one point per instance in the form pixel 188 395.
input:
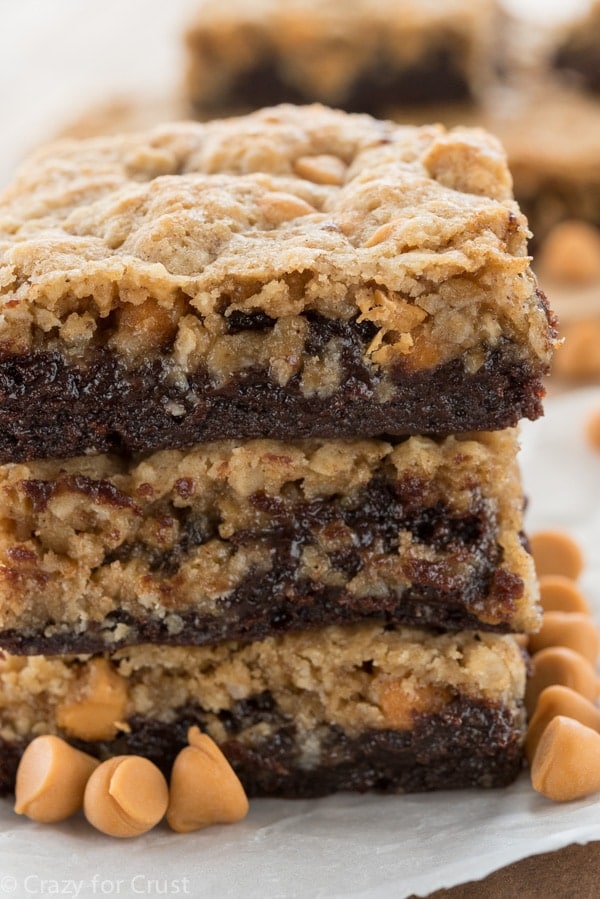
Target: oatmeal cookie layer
pixel 237 541
pixel 360 57
pixel 365 707
pixel 297 272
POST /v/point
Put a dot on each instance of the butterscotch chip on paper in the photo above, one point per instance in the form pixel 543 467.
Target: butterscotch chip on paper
pixel 51 780
pixel 559 700
pixel 566 764
pixel 560 665
pixel 576 630
pixel 556 552
pixel 126 796
pixel 559 593
pixel 203 789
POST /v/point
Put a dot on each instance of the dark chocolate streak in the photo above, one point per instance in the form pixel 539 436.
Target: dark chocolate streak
pixel 468 744
pixel 465 580
pixel 439 75
pixel 51 408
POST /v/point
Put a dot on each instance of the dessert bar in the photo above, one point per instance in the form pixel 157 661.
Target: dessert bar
pixel 358 708
pixel 578 52
pixel 362 57
pixel 551 135
pixel 231 541
pixel 299 272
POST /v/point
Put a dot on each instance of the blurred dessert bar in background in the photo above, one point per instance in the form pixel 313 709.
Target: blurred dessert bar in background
pixel 365 56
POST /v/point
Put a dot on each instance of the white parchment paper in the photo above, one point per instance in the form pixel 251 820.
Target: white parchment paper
pixel 348 846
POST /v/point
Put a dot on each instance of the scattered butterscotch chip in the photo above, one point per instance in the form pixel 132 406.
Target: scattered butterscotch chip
pixel 571 253
pixel 51 780
pixel 555 552
pixel 566 764
pixel 559 665
pixel 561 594
pixel 579 356
pixel 559 700
pixel 125 796
pixel 575 630
pixel 592 429
pixel 204 787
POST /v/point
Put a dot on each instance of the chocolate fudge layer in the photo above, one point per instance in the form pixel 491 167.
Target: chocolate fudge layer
pixel 578 51
pixel 359 708
pixel 361 57
pixel 238 541
pixel 298 272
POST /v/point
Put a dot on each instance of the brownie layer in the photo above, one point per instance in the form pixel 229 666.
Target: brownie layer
pixel 469 744
pixel 363 707
pixel 295 272
pixel 231 541
pixel 54 408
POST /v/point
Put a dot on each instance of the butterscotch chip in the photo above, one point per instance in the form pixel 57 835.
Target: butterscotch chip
pixel 575 630
pixel 561 594
pixel 323 169
pixel 579 357
pixel 571 252
pixel 555 552
pixel 204 788
pixel 559 700
pixel 592 429
pixel 51 780
pixel 559 665
pixel 125 796
pixel 566 764
pixel 99 704
pixel 400 706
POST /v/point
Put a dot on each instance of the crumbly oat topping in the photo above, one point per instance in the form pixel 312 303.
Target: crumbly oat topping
pixel 332 676
pixel 80 538
pixel 148 241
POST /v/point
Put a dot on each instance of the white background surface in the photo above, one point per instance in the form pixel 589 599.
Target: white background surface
pixel 56 58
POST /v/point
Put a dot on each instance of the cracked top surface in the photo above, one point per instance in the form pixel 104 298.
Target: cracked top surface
pixel 286 211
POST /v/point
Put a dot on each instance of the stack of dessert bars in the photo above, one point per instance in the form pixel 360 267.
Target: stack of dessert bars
pixel 259 383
